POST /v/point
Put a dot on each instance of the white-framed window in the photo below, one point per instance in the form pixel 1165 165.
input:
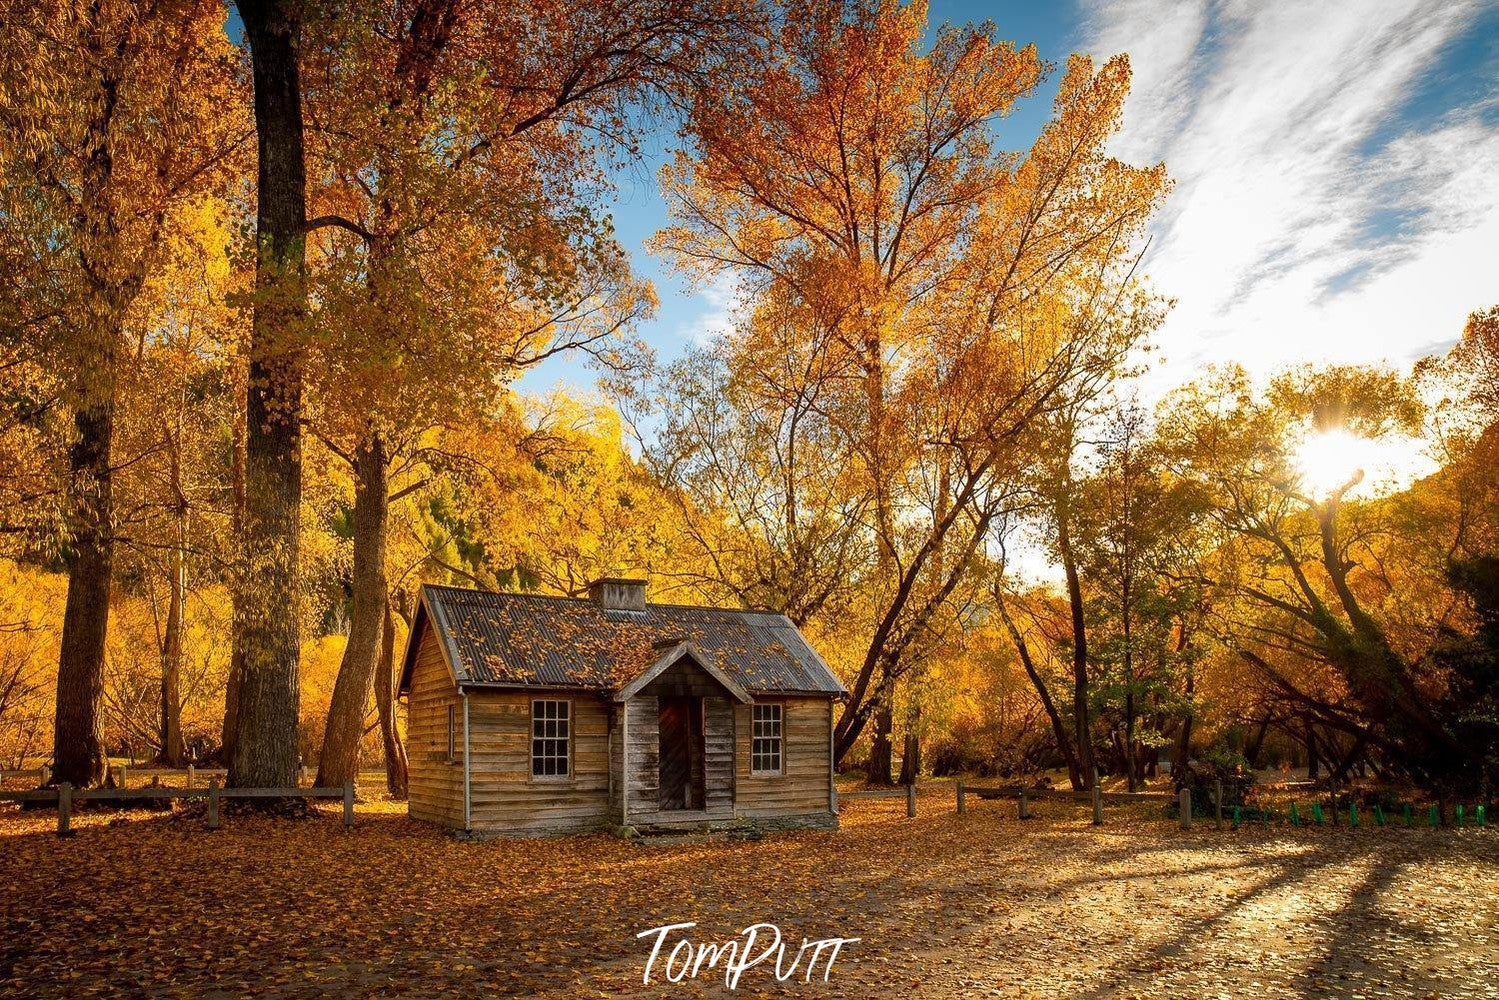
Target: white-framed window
pixel 765 739
pixel 452 734
pixel 551 737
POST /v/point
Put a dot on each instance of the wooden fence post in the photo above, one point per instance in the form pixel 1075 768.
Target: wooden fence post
pixel 911 799
pixel 349 805
pixel 65 809
pixel 46 774
pixel 1218 803
pixel 962 802
pixel 190 772
pixel 1097 804
pixel 213 802
pixel 124 776
pixel 1184 807
pixel 1025 812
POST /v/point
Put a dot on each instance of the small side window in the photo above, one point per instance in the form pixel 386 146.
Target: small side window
pixel 551 738
pixel 765 744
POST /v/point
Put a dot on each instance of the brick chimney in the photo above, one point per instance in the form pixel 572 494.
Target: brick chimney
pixel 618 594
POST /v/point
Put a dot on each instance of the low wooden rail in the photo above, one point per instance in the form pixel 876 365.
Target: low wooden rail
pixel 1025 796
pixel 65 795
pixel 1061 794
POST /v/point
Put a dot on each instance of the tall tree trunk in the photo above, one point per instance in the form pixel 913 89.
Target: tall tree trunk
pixel 1131 754
pixel 265 742
pixel 78 736
pixel 1184 745
pixel 396 765
pixel 172 750
pixel 1082 730
pixel 78 740
pixel 1313 753
pixel 1058 727
pixel 881 749
pixel 910 756
pixel 339 761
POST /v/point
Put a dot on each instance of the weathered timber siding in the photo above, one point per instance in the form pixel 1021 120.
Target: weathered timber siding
pixel 802 787
pixel 617 766
pixel 504 795
pixel 436 785
pixel 718 754
pixel 642 759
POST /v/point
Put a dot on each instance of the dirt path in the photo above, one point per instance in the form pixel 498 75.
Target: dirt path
pixel 944 905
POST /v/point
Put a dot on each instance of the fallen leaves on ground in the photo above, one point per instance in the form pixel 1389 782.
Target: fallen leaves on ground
pixel 979 904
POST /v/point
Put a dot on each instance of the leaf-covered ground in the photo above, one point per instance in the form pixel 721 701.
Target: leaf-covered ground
pixel 945 905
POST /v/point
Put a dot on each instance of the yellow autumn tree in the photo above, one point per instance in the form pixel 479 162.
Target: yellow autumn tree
pixel 854 169
pixel 112 113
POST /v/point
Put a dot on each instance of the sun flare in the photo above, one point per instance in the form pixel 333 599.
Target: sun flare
pixel 1327 460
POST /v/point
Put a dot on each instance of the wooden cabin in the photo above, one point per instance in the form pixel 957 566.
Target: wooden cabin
pixel 540 715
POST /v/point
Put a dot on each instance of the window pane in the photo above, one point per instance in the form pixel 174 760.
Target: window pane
pixel 550 731
pixel 765 739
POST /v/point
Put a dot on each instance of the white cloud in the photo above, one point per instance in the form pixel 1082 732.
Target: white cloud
pixel 1309 222
pixel 722 299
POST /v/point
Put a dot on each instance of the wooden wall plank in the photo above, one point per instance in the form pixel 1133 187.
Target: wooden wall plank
pixel 802 785
pixel 435 783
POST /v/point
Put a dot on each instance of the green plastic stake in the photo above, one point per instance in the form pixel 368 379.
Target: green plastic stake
pixel 1295 815
pixel 1407 814
pixel 1317 812
pixel 1479 816
pixel 1459 815
pixel 1378 814
pixel 1268 815
pixel 1236 817
pixel 1353 814
pixel 1433 817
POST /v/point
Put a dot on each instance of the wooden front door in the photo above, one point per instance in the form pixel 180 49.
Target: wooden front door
pixel 681 758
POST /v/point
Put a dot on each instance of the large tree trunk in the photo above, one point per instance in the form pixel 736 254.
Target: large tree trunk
pixel 1131 755
pixel 910 756
pixel 78 741
pixel 396 765
pixel 881 748
pixel 339 761
pixel 78 737
pixel 265 743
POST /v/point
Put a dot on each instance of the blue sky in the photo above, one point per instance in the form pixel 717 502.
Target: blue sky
pixel 690 313
pixel 1336 169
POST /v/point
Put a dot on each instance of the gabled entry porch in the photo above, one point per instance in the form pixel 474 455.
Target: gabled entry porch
pixel 675 742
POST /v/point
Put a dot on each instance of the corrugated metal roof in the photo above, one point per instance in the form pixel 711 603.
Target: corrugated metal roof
pixel 536 641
